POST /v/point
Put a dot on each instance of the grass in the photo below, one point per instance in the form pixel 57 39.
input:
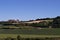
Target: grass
pixel 44 31
pixel 27 36
pixel 30 33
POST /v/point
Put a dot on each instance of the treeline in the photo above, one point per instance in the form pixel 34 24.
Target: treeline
pixel 55 23
pixel 49 23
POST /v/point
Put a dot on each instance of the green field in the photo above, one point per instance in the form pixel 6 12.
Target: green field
pixel 44 32
pixel 27 36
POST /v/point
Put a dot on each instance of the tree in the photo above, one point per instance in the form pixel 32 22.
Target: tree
pixel 18 37
pixel 43 24
pixel 56 22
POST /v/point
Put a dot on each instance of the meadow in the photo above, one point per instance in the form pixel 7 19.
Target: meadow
pixel 30 33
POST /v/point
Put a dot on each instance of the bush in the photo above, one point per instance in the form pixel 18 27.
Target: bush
pixel 18 37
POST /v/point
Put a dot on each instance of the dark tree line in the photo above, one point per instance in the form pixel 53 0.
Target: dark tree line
pixel 56 22
pixel 45 24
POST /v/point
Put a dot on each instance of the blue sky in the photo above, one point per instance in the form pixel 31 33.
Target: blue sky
pixel 28 9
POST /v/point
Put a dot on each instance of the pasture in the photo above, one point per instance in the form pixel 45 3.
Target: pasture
pixel 34 31
pixel 30 33
pixel 27 36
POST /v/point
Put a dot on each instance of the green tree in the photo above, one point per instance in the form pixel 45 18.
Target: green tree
pixel 56 22
pixel 18 37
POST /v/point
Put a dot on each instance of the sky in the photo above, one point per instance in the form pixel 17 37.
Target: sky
pixel 29 9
